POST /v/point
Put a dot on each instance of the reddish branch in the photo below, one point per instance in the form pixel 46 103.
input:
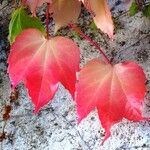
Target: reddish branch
pixel 91 41
pixel 47 20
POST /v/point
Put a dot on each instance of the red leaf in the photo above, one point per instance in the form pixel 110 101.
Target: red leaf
pixel 116 91
pixel 102 15
pixel 42 64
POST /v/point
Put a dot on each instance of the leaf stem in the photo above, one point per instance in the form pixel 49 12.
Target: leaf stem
pixel 47 20
pixel 90 40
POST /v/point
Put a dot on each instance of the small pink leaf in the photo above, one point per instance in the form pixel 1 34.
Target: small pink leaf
pixel 116 91
pixel 41 64
pixel 64 12
pixel 102 16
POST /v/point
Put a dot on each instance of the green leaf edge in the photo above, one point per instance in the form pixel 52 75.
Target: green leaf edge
pixel 133 9
pixel 146 11
pixel 17 25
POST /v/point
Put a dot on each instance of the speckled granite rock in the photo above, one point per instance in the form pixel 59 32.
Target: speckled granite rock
pixel 55 127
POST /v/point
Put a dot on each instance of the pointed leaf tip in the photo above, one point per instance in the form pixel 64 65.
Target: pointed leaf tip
pixel 107 135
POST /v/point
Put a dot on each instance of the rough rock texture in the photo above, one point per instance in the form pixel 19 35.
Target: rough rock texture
pixel 55 126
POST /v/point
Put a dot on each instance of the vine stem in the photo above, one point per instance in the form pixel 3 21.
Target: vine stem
pixel 90 40
pixel 47 20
